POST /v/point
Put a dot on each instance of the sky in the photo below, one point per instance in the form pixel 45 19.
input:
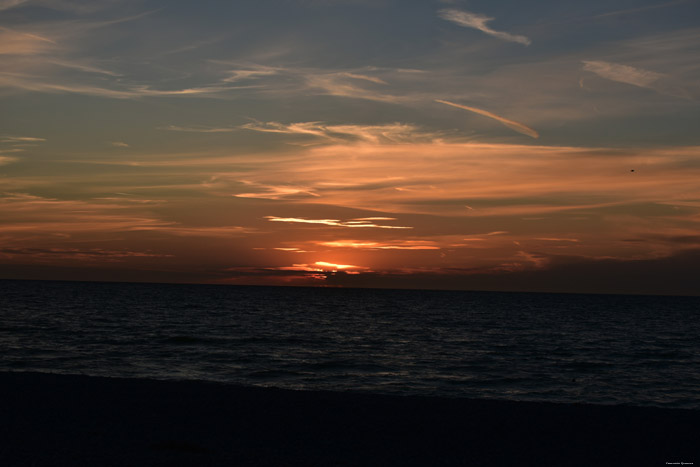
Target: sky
pixel 477 145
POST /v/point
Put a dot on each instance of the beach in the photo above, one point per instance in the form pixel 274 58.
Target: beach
pixel 50 419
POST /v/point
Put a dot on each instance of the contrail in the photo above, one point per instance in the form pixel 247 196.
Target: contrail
pixel 519 127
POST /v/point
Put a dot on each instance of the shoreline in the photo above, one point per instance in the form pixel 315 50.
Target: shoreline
pixel 52 419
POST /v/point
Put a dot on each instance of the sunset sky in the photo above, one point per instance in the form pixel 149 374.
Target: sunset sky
pixel 478 145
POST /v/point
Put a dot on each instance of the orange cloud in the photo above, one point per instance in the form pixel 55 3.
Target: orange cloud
pixel 14 42
pixel 583 202
pixel 445 177
pixel 392 245
pixel 318 266
pixel 334 222
pixel 377 134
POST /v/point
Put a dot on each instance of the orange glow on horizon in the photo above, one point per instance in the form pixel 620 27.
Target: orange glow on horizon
pixel 393 245
pixel 333 266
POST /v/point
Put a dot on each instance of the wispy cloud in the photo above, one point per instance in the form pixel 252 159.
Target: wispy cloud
pixel 334 222
pixel 640 9
pixel 119 144
pixel 227 231
pixel 38 84
pixel 387 133
pixel 21 139
pixel 338 84
pixel 7 4
pixel 194 45
pixel 76 6
pixel 84 67
pixel 92 254
pixel 41 57
pixel 14 145
pixel 390 245
pixel 281 80
pixel 680 81
pixel 371 79
pixel 26 215
pixel 191 129
pixel 14 42
pixel 276 192
pixel 622 73
pixel 513 125
pixel 478 21
pixel 566 240
pixel 255 72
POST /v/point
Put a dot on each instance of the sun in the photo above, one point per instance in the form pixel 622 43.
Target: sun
pixel 332 267
pixel 335 267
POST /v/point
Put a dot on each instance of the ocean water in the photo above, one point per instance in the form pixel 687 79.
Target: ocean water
pixel 603 349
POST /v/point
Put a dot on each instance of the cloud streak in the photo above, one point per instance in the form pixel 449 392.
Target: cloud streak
pixel 37 84
pixel 188 129
pixel 388 133
pixel 334 222
pixel 92 254
pixel 14 145
pixel 21 139
pixel 75 6
pixel 513 125
pixel 26 214
pixel 280 80
pixel 640 9
pixel 479 22
pixel 275 192
pixel 622 73
pixel 7 4
pixel 23 43
pixel 342 85
pixel 390 245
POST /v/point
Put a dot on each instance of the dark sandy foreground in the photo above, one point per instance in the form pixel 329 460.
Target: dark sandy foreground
pixel 85 421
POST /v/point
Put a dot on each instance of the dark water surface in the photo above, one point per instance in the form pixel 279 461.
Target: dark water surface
pixel 608 349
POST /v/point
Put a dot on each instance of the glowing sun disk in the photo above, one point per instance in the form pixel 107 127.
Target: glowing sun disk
pixel 324 264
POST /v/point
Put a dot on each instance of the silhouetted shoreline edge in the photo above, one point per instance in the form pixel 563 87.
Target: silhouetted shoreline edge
pixel 50 419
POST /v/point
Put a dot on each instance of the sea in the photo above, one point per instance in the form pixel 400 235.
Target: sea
pixel 566 348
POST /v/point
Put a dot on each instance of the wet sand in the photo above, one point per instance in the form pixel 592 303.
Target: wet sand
pixel 49 420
